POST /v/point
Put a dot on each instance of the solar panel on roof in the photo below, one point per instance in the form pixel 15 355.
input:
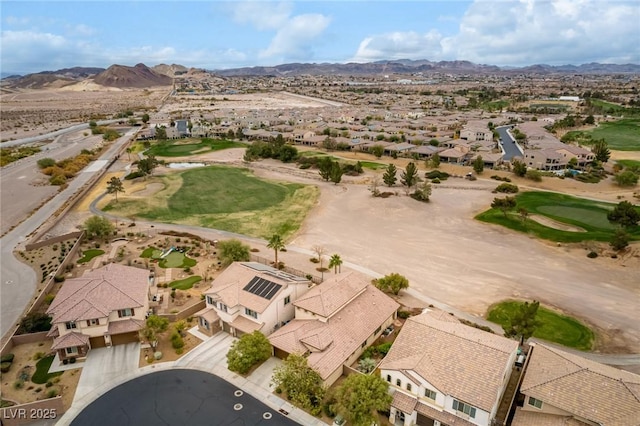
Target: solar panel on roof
pixel 263 288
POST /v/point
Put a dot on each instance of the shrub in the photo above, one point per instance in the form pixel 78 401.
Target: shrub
pixel 383 349
pixel 18 384
pixel 38 355
pixel 534 175
pixel 176 341
pixel 43 163
pixel 366 365
pixel 249 350
pixel 52 393
pixel 404 314
pixel 58 278
pixel 507 188
pixel 436 174
pixel 592 255
pixel 5 366
pixel 7 358
pixel 134 175
pixel 34 322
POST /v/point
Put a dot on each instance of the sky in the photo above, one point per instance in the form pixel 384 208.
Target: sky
pixel 50 35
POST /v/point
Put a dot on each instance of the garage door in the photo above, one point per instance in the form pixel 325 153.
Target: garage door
pixel 121 339
pixel 279 353
pixel 424 421
pixel 97 342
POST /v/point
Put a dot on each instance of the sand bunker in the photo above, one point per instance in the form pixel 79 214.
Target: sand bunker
pixel 543 220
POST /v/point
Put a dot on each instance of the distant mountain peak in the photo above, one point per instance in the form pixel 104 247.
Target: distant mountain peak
pixel 138 76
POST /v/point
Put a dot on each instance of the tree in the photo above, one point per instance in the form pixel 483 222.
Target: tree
pixel 435 161
pixel 335 262
pixel 360 396
pixel 601 150
pixel 145 118
pixel 319 251
pixel 410 175
pixel 97 226
pixel 43 163
pixel 154 325
pixel 478 164
pixel 389 177
pixel 34 322
pixel 161 133
pixel 573 163
pixel 276 243
pixel 523 322
pixel 393 283
pixel 249 350
pixel 147 165
pixel 325 165
pixel 336 173
pixel 626 178
pixel 524 214
pixel 620 239
pixel 377 150
pixel 233 251
pixel 519 168
pixel 589 119
pixel 624 214
pixel 505 204
pixel 422 192
pixel 302 384
pixel 114 185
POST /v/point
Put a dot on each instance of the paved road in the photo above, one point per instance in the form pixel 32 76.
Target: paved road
pixel 508 143
pixel 178 397
pixel 17 280
pixel 52 135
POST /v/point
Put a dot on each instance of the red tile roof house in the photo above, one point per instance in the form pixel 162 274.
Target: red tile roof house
pixel 249 296
pixel 334 323
pixel 442 372
pixel 105 307
pixel 563 389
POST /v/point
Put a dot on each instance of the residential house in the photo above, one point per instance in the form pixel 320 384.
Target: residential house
pixel 104 307
pixel 334 323
pixel 476 132
pixel 456 155
pixel 443 372
pixel 250 296
pixel 562 388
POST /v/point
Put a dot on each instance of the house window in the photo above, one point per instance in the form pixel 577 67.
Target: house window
pixel 409 387
pixel 287 300
pixel 92 322
pixel 430 394
pixel 535 402
pixel 363 344
pixel 128 312
pixel 399 383
pixel 464 408
pixel 251 313
pixel 210 301
pixel 71 324
pixel 71 351
pixel 389 378
pixel 223 307
pixel 377 330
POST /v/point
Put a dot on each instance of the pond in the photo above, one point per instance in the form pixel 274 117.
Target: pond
pixel 185 165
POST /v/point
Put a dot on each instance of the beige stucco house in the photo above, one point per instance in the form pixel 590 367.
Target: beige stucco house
pixel 250 296
pixel 561 388
pixel 104 307
pixel 334 323
pixel 442 372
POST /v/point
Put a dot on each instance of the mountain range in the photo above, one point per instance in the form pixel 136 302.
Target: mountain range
pixel 141 76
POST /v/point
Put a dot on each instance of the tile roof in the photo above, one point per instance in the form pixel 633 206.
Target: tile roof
pixel 585 388
pixel 443 417
pixel 208 313
pixel 245 324
pixel 125 326
pixel 460 361
pixel 403 402
pixel 70 340
pixel 332 342
pixel 229 286
pixel 533 418
pixel 100 292
pixel 329 297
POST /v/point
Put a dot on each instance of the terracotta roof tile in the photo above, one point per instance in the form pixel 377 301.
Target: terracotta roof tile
pixel 403 402
pixel 329 297
pixel 585 388
pixel 443 417
pixel 532 418
pixel 460 361
pixel 125 326
pixel 100 292
pixel 70 340
pixel 246 325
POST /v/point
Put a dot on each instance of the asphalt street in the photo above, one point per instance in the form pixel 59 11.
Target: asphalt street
pixel 178 397
pixel 17 280
pixel 508 143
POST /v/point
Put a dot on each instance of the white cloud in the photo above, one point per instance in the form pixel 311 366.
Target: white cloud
pixel 399 45
pixel 262 15
pixel 295 39
pixel 14 20
pixel 523 32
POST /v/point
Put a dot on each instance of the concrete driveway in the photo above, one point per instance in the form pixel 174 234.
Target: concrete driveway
pixel 105 364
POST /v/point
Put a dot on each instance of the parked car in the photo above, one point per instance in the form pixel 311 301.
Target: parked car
pixel 387 331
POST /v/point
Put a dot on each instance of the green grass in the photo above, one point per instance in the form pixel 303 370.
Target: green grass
pixel 87 255
pixel 151 253
pixel 178 147
pixel 42 376
pixel 586 214
pixel 629 164
pixel 621 135
pixel 227 198
pixel 186 283
pixel 372 165
pixel 175 259
pixel 615 109
pixel 554 327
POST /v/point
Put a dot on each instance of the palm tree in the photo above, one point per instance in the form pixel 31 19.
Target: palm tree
pixel 276 243
pixel 335 262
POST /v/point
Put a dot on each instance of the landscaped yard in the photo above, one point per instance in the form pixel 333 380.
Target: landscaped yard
pixel 185 147
pixel 590 216
pixel 174 259
pixel 87 255
pixel 554 327
pixel 42 376
pixel 227 198
pixel 186 283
